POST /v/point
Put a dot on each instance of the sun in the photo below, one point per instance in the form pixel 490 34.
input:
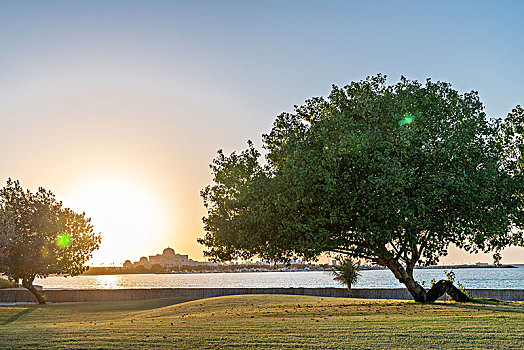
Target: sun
pixel 130 215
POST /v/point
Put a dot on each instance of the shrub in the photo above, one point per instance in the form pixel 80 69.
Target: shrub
pixel 5 283
pixel 450 276
pixel 346 271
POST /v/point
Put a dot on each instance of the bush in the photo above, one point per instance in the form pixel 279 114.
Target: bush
pixel 5 283
pixel 450 276
pixel 346 271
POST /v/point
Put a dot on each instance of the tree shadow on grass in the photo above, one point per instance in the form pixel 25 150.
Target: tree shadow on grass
pixel 486 305
pixel 104 307
pixel 18 315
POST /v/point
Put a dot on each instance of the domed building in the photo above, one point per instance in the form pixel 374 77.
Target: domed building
pixel 169 258
pixel 144 262
pixel 168 251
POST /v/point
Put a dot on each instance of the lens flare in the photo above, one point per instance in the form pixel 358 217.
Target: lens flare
pixel 406 119
pixel 63 240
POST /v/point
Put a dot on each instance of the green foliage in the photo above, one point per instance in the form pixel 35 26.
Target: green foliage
pixel 5 283
pixel 347 271
pixel 450 276
pixel 388 173
pixel 39 237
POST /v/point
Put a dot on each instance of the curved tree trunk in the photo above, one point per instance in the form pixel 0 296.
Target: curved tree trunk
pixel 438 290
pixel 28 284
pixel 419 293
pixel 442 287
pixel 406 277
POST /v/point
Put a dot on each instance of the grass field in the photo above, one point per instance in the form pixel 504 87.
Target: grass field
pixel 263 321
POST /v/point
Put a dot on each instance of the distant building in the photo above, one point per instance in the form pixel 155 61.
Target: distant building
pixel 168 259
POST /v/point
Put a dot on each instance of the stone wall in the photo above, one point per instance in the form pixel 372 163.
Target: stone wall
pixel 80 295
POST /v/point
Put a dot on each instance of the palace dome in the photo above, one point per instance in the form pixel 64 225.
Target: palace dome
pixel 168 251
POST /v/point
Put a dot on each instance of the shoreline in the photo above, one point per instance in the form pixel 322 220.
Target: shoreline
pixel 101 295
pixel 467 266
pixel 121 271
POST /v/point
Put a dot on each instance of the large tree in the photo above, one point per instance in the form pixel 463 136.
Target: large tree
pixel 39 237
pixel 391 174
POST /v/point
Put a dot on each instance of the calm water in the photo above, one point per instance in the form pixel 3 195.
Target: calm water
pixel 470 278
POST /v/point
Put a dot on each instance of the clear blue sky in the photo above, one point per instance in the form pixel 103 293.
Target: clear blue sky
pixel 142 93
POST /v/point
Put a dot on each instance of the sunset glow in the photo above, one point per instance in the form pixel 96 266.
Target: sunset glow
pixel 119 107
pixel 126 211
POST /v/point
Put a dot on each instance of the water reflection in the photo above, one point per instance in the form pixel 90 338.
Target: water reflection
pixel 470 278
pixel 108 282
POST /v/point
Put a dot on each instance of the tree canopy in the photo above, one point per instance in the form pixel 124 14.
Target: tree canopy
pixel 391 174
pixel 39 237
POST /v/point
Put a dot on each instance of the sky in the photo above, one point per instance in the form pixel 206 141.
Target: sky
pixel 118 107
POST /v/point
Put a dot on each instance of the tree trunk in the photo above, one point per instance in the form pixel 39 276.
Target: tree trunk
pixel 419 293
pixel 442 287
pixel 28 284
pixel 415 289
pixel 406 278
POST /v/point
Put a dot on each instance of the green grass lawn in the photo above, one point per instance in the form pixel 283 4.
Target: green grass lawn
pixel 263 321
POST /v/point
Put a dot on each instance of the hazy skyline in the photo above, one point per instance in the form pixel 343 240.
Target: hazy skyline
pixel 118 107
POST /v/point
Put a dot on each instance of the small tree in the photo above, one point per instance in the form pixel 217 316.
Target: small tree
pixel 346 271
pixel 157 268
pixel 39 237
pixel 140 269
pixel 389 174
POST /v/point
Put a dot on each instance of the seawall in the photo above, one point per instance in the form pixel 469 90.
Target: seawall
pixel 99 295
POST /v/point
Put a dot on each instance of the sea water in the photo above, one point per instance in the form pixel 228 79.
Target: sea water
pixel 474 278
